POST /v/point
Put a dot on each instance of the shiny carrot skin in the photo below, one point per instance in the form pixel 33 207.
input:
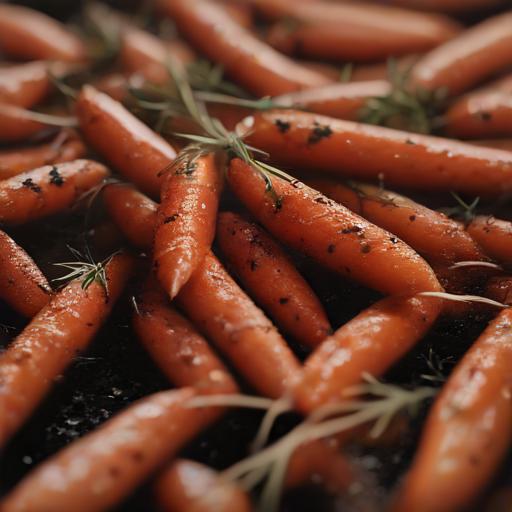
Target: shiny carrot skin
pixel 16 124
pixel 468 59
pixel 494 236
pixel 24 85
pixel 47 190
pixel 331 234
pixel 307 141
pixel 272 279
pixel 468 430
pixel 22 285
pixel 247 60
pixel 186 219
pixel 187 486
pixel 132 212
pixel 499 288
pixel 135 151
pixel 226 315
pixel 369 343
pixel 64 327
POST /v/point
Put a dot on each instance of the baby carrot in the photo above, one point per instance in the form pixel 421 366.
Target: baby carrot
pixel 468 429
pixel 494 236
pixel 499 288
pixel 47 190
pixel 128 144
pixel 18 124
pixel 246 59
pixel 272 279
pixel 331 234
pixel 64 327
pixel 22 285
pixel 311 142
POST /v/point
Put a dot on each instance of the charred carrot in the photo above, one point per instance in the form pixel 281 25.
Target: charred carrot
pixel 47 190
pixel 494 236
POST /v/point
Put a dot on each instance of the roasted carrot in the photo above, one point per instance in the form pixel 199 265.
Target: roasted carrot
pixel 468 429
pixel 187 486
pixel 220 309
pixel 331 234
pixel 494 236
pixel 311 142
pixel 499 288
pixel 47 190
pixel 18 124
pixel 185 225
pixel 240 12
pixel 49 343
pixel 246 59
pixel 117 85
pixel 505 144
pixel 272 279
pixel 22 285
pixel 129 145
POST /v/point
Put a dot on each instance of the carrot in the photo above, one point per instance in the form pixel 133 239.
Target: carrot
pixel 246 59
pixel 132 212
pixel 18 124
pixel 129 145
pixel 116 85
pixel 380 71
pixel 449 6
pixel 505 144
pixel 272 279
pixel 331 234
pixel 30 34
pixel 49 343
pixel 22 285
pixel 185 225
pixel 311 142
pixel 494 236
pixel 240 12
pixel 47 190
pixel 468 429
pixel 113 459
pixel 222 311
pixel 187 486
pixel 468 59
pixel 499 288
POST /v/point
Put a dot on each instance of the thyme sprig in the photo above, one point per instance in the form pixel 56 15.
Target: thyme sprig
pixel 464 211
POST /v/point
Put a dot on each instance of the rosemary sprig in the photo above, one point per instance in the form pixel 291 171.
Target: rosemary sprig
pixel 463 211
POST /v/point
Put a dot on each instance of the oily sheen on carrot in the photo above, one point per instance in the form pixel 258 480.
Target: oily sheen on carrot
pixel 305 141
pixel 332 234
pixel 494 236
pixel 468 430
pixel 272 279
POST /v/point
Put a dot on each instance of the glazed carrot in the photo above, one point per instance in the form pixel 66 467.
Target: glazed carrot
pixel 113 459
pixel 132 212
pixel 186 486
pixel 30 34
pixel 222 311
pixel 246 59
pixel 494 236
pixel 499 288
pixel 49 343
pixel 22 285
pixel 505 144
pixel 353 32
pixel 369 343
pixel 307 141
pixel 185 225
pixel 47 190
pixel 116 85
pixel 272 279
pixel 331 234
pixel 468 430
pixel 17 124
pixel 129 145
pixel 468 59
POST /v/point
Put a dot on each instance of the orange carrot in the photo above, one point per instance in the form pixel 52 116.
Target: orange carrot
pixel 129 145
pixel 505 144
pixel 468 430
pixel 499 288
pixel 18 124
pixel 116 85
pixel 22 285
pixel 50 342
pixel 494 236
pixel 331 234
pixel 186 218
pixel 272 279
pixel 240 12
pixel 47 190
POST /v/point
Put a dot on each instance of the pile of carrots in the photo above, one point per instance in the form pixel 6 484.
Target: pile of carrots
pixel 223 172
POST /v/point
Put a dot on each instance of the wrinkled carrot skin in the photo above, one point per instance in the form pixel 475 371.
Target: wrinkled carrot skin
pixel 272 279
pixel 332 234
pixel 114 458
pixel 139 154
pixel 246 59
pixel 30 34
pixel 494 236
pixel 468 430
pixel 22 285
pixel 47 190
pixel 185 225
pixel 16 124
pixel 305 141
pixel 224 313
pixel 132 212
pixel 188 486
pixel 63 328
pixel 468 59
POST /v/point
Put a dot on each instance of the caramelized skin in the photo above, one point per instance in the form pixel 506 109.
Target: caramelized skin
pixel 494 236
